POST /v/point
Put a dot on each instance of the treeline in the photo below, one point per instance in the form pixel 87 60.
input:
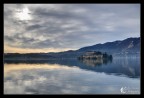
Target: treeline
pixel 26 56
pixel 59 55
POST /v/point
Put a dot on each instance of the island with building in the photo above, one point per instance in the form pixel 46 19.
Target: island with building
pixel 94 58
pixel 95 55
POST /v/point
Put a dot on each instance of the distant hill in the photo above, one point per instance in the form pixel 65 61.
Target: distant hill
pixel 129 45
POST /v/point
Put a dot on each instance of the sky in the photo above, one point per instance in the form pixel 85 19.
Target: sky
pixel 46 28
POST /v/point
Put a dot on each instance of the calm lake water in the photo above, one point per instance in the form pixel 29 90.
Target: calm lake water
pixel 71 76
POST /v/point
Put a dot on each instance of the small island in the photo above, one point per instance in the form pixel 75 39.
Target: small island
pixel 94 55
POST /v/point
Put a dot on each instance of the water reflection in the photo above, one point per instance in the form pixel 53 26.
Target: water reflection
pixel 129 67
pixel 58 79
pixel 95 62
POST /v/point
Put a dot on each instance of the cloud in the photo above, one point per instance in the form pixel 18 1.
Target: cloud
pixel 69 25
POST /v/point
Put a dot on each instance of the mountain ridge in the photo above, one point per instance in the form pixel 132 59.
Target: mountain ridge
pixel 131 44
pixel 126 46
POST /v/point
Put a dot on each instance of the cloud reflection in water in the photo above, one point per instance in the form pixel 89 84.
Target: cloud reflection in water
pixel 56 79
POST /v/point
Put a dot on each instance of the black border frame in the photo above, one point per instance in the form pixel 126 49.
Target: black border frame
pixel 52 1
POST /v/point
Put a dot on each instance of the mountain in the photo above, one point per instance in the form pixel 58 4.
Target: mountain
pixel 129 45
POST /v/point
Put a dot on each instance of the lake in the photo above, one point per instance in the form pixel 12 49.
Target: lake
pixel 72 76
